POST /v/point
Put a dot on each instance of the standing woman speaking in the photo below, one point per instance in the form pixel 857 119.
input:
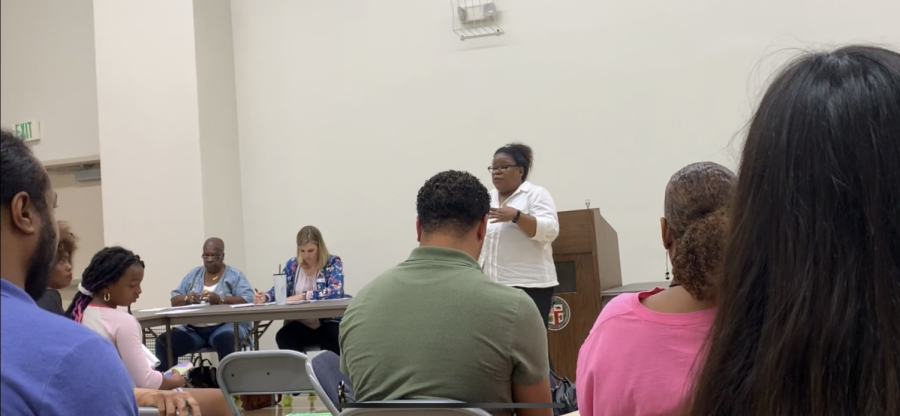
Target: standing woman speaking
pixel 522 225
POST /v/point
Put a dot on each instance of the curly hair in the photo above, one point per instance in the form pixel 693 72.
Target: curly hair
pixel 697 199
pixel 452 201
pixel 68 242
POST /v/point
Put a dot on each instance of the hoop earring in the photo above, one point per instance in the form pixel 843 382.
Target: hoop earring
pixel 106 296
pixel 667 264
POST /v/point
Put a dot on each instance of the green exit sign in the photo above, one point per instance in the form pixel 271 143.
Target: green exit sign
pixel 28 131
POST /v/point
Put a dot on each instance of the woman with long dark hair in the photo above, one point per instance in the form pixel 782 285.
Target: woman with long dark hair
pixel 808 318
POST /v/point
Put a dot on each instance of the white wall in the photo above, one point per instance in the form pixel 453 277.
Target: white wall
pixel 346 108
pixel 47 74
pixel 81 204
pixel 150 137
pixel 223 213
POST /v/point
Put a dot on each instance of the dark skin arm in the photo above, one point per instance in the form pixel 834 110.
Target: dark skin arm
pixel 229 300
pixel 181 300
pixel 538 393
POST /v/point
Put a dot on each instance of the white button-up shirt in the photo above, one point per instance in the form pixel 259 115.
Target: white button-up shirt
pixel 509 256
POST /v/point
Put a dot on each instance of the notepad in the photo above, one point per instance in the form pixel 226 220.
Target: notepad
pixel 181 368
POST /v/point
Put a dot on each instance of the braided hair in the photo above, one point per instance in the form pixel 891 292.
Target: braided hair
pixel 106 268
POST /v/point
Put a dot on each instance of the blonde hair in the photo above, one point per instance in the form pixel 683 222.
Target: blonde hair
pixel 311 234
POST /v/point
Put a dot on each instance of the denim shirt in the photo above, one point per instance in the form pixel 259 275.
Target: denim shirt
pixel 232 283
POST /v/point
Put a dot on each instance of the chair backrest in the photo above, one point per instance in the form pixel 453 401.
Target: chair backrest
pixel 416 412
pixel 262 372
pixel 324 372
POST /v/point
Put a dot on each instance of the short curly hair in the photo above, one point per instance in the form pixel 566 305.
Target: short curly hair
pixel 68 242
pixel 696 205
pixel 453 202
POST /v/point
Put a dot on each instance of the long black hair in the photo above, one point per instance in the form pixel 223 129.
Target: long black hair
pixel 808 319
pixel 106 268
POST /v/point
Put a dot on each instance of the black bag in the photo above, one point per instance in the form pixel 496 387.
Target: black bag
pixel 345 393
pixel 563 393
pixel 203 375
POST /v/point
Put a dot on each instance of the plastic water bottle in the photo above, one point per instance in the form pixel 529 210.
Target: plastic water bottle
pixel 320 286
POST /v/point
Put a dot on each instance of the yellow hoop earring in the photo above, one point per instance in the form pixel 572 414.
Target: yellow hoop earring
pixel 106 297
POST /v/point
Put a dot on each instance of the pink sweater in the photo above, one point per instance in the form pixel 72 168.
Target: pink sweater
pixel 637 361
pixel 124 331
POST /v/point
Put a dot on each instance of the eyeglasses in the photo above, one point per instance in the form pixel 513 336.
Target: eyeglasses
pixel 213 257
pixel 502 169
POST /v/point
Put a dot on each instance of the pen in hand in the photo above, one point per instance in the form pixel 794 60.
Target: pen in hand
pixel 259 298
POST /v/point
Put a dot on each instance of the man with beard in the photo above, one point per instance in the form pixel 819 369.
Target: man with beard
pixel 51 365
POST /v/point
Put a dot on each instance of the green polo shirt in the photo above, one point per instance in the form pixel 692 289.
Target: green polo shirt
pixel 436 327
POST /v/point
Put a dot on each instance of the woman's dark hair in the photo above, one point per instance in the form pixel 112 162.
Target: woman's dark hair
pixel 522 154
pixel 696 204
pixel 808 318
pixel 106 268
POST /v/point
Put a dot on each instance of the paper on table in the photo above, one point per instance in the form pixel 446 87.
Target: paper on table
pixel 152 310
pixel 246 305
pixel 171 312
pixel 188 306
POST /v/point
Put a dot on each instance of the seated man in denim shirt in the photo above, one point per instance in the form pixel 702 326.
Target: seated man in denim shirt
pixel 214 283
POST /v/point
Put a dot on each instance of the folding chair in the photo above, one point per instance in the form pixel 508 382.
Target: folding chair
pixel 324 372
pixel 416 412
pixel 263 372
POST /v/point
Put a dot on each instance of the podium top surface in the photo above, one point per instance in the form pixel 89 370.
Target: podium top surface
pixel 633 288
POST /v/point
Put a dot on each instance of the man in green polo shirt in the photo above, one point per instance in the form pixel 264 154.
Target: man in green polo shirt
pixel 436 327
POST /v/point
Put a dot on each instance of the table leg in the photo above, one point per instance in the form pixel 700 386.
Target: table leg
pixel 256 336
pixel 237 337
pixel 169 346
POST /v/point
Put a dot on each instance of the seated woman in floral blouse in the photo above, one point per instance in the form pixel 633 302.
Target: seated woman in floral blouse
pixel 312 262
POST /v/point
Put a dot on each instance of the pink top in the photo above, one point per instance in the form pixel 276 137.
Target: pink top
pixel 637 361
pixel 124 331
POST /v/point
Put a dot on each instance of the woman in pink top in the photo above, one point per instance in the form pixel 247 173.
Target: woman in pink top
pixel 640 357
pixel 114 279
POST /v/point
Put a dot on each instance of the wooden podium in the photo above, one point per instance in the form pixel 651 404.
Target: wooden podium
pixel 586 254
